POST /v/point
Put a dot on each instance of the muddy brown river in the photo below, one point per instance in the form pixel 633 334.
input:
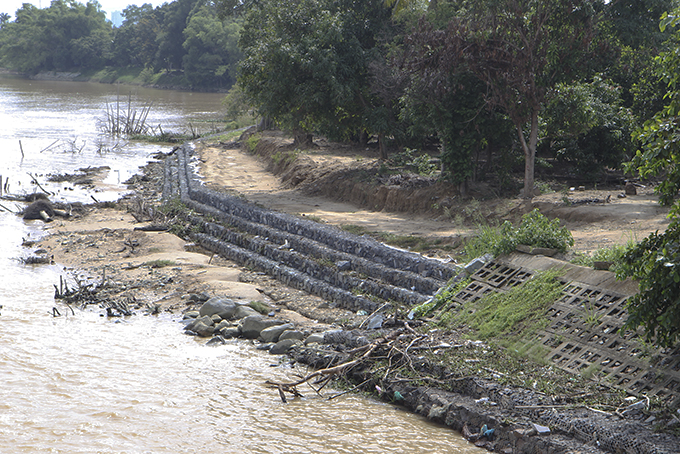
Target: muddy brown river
pixel 82 383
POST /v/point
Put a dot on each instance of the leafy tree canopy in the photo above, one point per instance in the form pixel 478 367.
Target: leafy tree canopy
pixel 306 61
pixel 519 49
pixel 655 261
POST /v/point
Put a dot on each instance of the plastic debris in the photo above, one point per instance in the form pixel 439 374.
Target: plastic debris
pixel 398 396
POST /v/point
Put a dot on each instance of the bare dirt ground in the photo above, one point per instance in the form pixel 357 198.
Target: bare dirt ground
pixel 594 225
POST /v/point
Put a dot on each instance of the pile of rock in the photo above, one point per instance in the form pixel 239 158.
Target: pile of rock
pixel 222 318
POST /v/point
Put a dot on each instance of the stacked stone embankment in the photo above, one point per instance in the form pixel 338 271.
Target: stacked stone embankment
pixel 355 272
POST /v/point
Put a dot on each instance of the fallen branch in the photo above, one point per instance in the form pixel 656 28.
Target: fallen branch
pixel 38 184
pixel 327 372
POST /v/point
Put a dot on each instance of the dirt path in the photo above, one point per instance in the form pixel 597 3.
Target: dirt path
pixel 593 225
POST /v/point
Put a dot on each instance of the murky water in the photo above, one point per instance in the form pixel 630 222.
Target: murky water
pixel 83 383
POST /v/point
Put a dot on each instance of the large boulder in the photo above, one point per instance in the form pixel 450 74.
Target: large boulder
pixel 217 305
pixel 272 333
pixel 292 334
pixel 245 311
pixel 252 326
pixel 203 330
pixel 205 320
pixel 283 346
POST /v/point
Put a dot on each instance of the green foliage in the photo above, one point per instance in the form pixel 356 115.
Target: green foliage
pixel 587 126
pixel 211 49
pixel 538 231
pixel 239 112
pixel 655 264
pixel 306 62
pixel 613 254
pixel 489 239
pixel 535 230
pixel 659 152
pixel 260 307
pixel 517 313
pixel 252 141
pixel 441 298
pixel 421 164
pixel 159 263
pixel 285 157
pixel 65 36
pixel 456 113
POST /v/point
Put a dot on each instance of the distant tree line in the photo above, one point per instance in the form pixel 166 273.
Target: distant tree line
pixel 183 35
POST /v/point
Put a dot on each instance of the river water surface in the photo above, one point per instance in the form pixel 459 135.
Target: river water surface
pixel 84 383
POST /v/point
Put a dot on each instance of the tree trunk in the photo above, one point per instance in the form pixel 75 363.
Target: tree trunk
pixel 529 154
pixel 266 123
pixel 382 147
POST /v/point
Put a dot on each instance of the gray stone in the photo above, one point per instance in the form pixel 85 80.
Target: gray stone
pixel 191 314
pixel 244 311
pixel 202 329
pixel 272 333
pixel 221 325
pixel 216 319
pixel 223 307
pixel 375 322
pixel 541 430
pixel 283 346
pixel 314 338
pixel 191 326
pixel 265 346
pixel 292 334
pixel 343 265
pixel 252 326
pixel 199 297
pixel 216 340
pixel 230 332
pixel 474 265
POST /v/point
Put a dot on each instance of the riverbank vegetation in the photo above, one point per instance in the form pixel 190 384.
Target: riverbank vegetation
pixel 500 93
pixel 180 44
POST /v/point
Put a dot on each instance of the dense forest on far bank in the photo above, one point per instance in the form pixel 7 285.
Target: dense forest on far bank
pixel 180 43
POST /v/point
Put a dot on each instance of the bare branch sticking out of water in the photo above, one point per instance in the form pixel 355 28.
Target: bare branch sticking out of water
pixel 133 122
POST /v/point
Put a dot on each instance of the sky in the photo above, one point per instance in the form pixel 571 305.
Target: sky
pixel 10 6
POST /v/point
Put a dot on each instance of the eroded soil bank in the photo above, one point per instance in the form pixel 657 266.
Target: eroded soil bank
pixel 157 270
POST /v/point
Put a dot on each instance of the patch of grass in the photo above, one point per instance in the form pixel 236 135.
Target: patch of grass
pixel 354 229
pixel 612 254
pixel 228 136
pixel 535 230
pixel 260 307
pixel 510 316
pixel 159 263
pixel 252 141
pixel 442 298
pixel 411 242
pixel 313 217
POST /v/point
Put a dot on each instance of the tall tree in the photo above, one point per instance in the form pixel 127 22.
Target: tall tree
pixel 520 49
pixel 306 61
pixel 211 48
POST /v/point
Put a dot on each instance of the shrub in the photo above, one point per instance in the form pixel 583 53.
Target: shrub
pixel 535 230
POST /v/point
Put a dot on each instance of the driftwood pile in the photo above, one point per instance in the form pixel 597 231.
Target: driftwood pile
pixel 395 348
